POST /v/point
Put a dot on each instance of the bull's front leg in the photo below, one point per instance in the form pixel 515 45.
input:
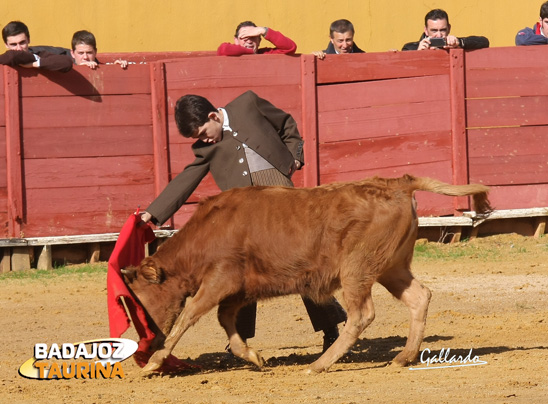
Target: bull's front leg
pixel 200 305
pixel 227 314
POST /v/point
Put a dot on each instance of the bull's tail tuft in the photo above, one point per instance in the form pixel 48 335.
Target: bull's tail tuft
pixel 480 192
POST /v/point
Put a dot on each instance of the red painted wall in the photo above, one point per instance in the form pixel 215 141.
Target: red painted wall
pixel 80 151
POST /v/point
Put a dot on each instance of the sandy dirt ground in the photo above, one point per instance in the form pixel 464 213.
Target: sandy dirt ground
pixel 489 296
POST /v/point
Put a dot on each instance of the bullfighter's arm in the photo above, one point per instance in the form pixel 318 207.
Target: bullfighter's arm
pixel 178 191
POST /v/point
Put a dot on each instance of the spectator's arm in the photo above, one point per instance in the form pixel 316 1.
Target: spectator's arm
pixel 230 49
pixel 474 42
pixel 527 37
pixel 49 61
pixel 283 44
pixel 15 58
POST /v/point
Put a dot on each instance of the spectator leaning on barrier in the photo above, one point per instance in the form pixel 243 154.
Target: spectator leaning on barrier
pixel 538 34
pixel 248 142
pixel 248 38
pixel 436 26
pixel 84 50
pixel 341 40
pixel 17 39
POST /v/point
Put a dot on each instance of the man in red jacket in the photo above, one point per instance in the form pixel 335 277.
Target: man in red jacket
pixel 248 38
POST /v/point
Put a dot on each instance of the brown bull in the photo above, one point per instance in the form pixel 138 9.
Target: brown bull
pixel 255 243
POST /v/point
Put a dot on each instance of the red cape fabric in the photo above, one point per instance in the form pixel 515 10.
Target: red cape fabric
pixel 130 250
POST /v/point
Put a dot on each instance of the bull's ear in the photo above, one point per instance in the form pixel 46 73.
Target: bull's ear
pixel 129 274
pixel 151 271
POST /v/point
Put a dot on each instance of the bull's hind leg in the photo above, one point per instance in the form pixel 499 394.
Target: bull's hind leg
pixel 416 297
pixel 202 303
pixel 361 313
pixel 227 313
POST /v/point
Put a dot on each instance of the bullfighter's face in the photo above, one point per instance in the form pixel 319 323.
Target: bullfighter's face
pixel 212 130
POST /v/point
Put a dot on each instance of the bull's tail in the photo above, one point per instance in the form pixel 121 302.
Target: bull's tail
pixel 479 192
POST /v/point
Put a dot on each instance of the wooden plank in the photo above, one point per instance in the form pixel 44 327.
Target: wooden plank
pixel 70 202
pixel 5 263
pixel 82 81
pixel 159 127
pixel 389 120
pixel 20 259
pixel 309 128
pixel 502 81
pixel 398 151
pixel 512 213
pixel 241 73
pixel 92 141
pixel 44 259
pixel 522 57
pixel 540 227
pixel 445 221
pixel 521 151
pixel 518 196
pixel 110 110
pixel 499 112
pixel 13 153
pixel 70 224
pixel 343 96
pixel 458 127
pixel 381 66
pixel 144 57
pixel 88 172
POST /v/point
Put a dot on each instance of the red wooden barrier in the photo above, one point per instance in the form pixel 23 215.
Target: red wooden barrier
pixel 79 151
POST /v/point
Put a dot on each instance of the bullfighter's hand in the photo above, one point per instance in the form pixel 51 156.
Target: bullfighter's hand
pixel 145 217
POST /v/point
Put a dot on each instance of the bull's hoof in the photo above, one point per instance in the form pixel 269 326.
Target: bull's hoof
pixel 315 369
pixel 254 358
pixel 402 360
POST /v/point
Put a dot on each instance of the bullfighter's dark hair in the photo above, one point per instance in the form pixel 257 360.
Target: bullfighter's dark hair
pixel 191 112
pixel 14 28
pixel 243 24
pixel 341 26
pixel 436 14
pixel 84 37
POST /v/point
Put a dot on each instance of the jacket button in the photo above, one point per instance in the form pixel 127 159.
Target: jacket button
pixel 244 173
pixel 234 134
pixel 241 161
pixel 238 147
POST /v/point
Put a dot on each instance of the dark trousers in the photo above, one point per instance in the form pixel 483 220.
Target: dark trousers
pixel 322 316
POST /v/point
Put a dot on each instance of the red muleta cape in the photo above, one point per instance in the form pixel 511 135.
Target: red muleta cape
pixel 130 250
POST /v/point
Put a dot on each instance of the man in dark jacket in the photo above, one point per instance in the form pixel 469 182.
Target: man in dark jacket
pixel 248 142
pixel 437 29
pixel 17 38
pixel 341 34
pixel 538 34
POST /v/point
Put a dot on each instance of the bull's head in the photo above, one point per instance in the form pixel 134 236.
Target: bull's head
pixel 161 299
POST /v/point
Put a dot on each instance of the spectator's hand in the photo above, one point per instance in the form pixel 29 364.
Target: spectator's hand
pixel 319 54
pixel 424 44
pixel 452 42
pixel 91 64
pixel 122 63
pixel 248 32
